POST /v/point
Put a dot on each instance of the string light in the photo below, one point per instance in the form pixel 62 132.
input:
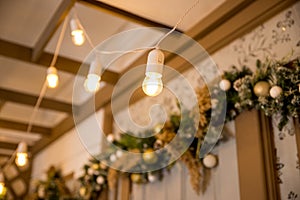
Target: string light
pixel 2 185
pixel 21 156
pixel 52 77
pixel 152 84
pixel 92 82
pixel 77 33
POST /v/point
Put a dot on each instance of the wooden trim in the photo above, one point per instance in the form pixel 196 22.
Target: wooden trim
pixel 246 20
pixel 19 126
pixel 108 120
pixel 297 135
pixel 269 154
pixel 31 100
pixel 57 18
pixel 256 157
pixel 23 53
pixel 123 14
pixel 125 187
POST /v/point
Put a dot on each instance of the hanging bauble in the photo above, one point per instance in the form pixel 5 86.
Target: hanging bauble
pixel 100 180
pixel 158 144
pixel 82 191
pixel 158 128
pixel 119 153
pixel 95 166
pixel 210 161
pixel 110 137
pixel 90 171
pixel 149 156
pixel 136 178
pixel 103 166
pixel 97 187
pixel 261 89
pixel 112 157
pixel 152 177
pixel 225 84
pixel 275 91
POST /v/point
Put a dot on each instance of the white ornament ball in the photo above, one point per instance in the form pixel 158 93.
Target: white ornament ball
pixel 275 91
pixel 119 153
pixel 210 161
pixel 225 84
pixel 152 178
pixel 90 171
pixel 100 180
pixel 113 158
pixel 110 138
pixel 261 89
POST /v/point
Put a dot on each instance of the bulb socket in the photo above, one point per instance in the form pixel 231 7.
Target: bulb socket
pixel 95 68
pixel 74 24
pixel 22 147
pixel 155 62
pixel 51 70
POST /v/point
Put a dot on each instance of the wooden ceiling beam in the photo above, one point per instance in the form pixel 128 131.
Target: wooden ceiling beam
pixel 19 126
pixel 2 102
pixel 58 17
pixel 28 99
pixel 7 145
pixel 124 14
pixel 23 53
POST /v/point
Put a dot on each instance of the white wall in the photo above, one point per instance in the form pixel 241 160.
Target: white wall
pixel 71 151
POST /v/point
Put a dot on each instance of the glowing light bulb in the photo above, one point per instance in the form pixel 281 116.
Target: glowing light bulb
pixel 22 156
pixel 92 83
pixel 152 84
pixel 52 77
pixel 78 37
pixel 2 185
pixel 77 33
pixel 21 159
pixel 2 189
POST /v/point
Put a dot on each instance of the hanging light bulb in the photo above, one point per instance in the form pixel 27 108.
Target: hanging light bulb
pixel 2 185
pixel 76 32
pixel 152 84
pixel 52 77
pixel 92 82
pixel 22 156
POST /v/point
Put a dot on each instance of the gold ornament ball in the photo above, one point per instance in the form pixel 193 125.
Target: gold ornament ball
pixel 261 89
pixel 149 156
pixel 136 178
pixel 275 91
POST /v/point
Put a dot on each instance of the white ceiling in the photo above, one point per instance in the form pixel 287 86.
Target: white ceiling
pixel 23 22
pixel 168 11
